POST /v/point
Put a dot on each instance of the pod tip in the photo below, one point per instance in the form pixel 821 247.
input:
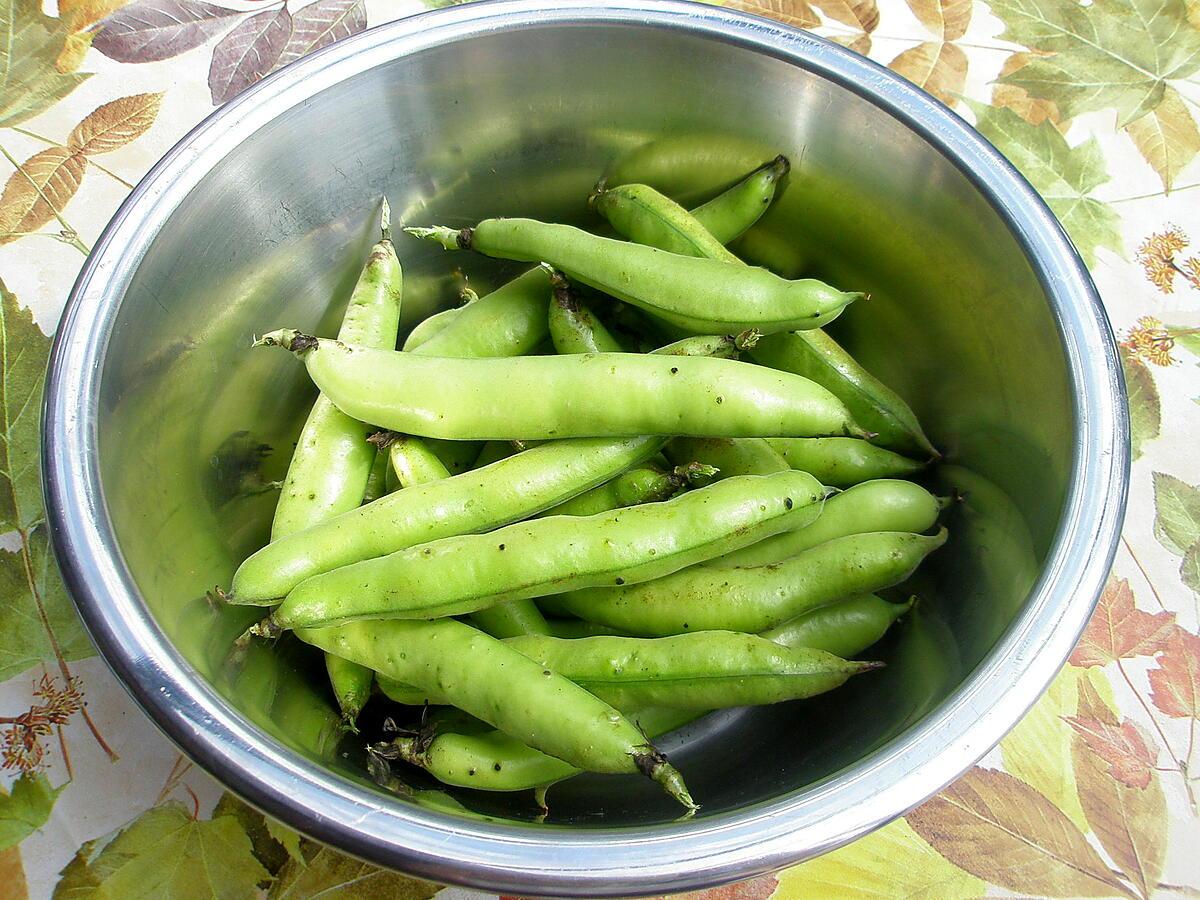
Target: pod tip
pixel 653 764
pixel 385 219
pixel 780 166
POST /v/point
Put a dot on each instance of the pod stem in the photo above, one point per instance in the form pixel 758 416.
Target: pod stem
pixel 778 167
pixel 695 472
pixel 597 192
pixel 653 764
pixel 267 628
pixel 385 220
pixel 747 339
pixel 288 339
pixel 383 439
pixel 564 294
pixel 449 238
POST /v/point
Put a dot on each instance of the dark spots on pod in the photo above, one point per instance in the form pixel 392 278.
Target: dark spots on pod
pixel 426 551
pixel 501 546
pixel 685 626
pixel 787 502
pixel 762 508
pixel 497 767
pixel 546 672
pixel 312 495
pixel 471 771
pixel 720 399
pixel 620 581
pixel 674 370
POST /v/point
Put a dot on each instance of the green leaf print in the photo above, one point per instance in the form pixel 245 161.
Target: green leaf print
pixel 30 44
pixel 25 808
pixel 1064 175
pixel 1110 54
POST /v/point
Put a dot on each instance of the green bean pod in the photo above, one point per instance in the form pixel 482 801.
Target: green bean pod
pixel 581 395
pixel 704 296
pixel 690 167
pixel 710 598
pixel 874 405
pixel 640 213
pixel 462 574
pixel 508 690
pixel 493 761
pixel 701 670
pixel 330 466
pixel 487 498
pixel 415 464
pixel 881 505
pixel 844 462
pixel 729 456
pixel 727 216
pixel 844 628
pixel 510 321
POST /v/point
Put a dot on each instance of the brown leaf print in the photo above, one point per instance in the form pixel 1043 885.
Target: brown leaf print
pixel 939 68
pixel 12 874
pixel 247 53
pixel 1121 745
pixel 1118 630
pixel 39 188
pixel 1000 829
pixel 153 30
pixel 115 124
pixel 859 43
pixel 1033 110
pixel 1175 682
pixel 1130 822
pixel 947 19
pixel 320 24
pixel 862 14
pixel 796 13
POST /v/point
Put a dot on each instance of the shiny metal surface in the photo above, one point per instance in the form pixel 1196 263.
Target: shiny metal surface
pixel 981 314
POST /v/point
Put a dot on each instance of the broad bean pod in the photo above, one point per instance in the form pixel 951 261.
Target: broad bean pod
pixel 470 572
pixel 640 213
pixel 581 395
pixel 844 628
pixel 487 498
pixel 881 505
pixel 710 598
pixel 508 690
pixel 844 462
pixel 330 470
pixel 875 406
pixel 728 215
pixel 494 761
pixel 705 296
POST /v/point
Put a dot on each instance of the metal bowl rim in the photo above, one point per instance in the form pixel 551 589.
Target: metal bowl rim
pixel 508 857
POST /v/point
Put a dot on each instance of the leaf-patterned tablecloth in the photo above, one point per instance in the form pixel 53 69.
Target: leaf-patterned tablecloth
pixel 1093 794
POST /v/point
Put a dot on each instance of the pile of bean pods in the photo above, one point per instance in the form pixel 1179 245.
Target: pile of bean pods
pixel 562 546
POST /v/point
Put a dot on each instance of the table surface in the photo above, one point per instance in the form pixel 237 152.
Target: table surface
pixel 1091 795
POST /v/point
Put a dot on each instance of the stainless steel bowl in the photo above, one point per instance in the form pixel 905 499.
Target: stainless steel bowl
pixel 981 314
